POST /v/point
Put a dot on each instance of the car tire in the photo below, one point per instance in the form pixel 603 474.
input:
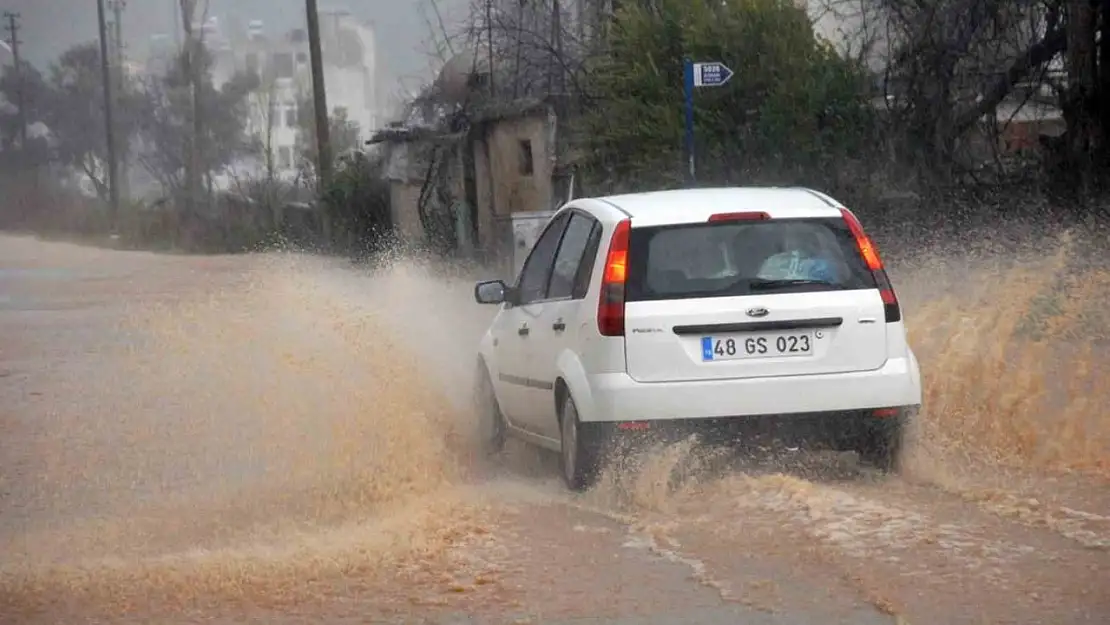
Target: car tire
pixel 882 445
pixel 492 428
pixel 579 450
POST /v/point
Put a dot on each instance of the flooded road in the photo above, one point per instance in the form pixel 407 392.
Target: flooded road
pixel 284 439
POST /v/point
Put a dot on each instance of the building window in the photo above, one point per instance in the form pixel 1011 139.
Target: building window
pixel 302 58
pixel 526 163
pixel 252 62
pixel 291 116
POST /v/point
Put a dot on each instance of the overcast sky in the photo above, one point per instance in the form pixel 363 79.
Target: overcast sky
pixel 50 26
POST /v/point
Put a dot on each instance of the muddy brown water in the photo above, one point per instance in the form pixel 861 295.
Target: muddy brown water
pixel 284 438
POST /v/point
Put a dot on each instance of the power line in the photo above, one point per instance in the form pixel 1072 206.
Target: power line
pixel 13 28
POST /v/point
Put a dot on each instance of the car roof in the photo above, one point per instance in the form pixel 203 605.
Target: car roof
pixel 696 205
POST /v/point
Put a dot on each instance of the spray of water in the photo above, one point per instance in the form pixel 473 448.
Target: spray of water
pixel 266 426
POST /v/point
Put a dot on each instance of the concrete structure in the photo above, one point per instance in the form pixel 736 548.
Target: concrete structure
pixel 481 176
pixel 481 181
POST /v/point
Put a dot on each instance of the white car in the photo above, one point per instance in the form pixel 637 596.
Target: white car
pixel 734 310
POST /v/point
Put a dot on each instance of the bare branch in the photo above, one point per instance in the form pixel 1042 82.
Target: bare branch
pixel 1037 55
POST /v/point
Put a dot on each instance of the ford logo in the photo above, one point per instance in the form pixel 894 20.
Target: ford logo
pixel 757 312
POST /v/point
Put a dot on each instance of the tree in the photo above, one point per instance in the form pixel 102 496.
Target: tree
pixel 343 132
pixel 265 116
pixel 168 130
pixel 795 103
pixel 75 113
pixel 35 97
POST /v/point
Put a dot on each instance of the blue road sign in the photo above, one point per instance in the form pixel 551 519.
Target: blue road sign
pixel 715 74
pixel 711 74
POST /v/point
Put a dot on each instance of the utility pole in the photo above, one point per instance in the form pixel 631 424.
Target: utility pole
pixel 13 34
pixel 109 124
pixel 117 7
pixel 191 57
pixel 319 98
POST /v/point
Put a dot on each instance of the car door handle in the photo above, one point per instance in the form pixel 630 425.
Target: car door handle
pixel 523 330
pixel 559 326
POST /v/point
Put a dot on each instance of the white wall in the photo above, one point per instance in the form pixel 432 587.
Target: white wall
pixel 350 77
pixel 847 24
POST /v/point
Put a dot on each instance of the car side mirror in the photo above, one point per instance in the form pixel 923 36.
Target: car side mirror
pixel 491 292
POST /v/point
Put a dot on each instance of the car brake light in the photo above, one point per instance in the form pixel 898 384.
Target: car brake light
pixel 744 216
pixel 610 303
pixel 870 254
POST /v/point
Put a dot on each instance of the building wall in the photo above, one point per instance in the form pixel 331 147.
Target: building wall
pixel 404 198
pixel 515 188
pixel 500 159
pixel 848 24
pixel 350 78
pixel 351 68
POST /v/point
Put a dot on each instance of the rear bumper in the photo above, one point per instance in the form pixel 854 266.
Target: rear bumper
pixel 837 430
pixel 617 397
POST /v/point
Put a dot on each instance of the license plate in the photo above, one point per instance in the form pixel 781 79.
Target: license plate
pixel 749 346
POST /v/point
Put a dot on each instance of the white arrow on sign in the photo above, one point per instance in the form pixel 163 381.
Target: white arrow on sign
pixel 715 74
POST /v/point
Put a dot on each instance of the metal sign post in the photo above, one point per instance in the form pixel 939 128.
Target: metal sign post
pixel 698 75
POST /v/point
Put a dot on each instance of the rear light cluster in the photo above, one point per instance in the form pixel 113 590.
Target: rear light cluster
pixel 874 262
pixel 610 304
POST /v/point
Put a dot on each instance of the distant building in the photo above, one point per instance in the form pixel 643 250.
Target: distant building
pixel 350 76
pixel 282 63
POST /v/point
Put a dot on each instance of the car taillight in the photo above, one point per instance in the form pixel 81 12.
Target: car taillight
pixel 870 254
pixel 610 303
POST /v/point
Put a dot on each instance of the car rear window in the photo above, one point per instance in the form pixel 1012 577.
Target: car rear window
pixel 731 258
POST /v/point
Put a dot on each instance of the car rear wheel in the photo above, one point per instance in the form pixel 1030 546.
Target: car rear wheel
pixel 579 456
pixel 881 445
pixel 492 430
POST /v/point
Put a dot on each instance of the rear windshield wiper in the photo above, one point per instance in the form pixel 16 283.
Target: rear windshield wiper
pixel 761 285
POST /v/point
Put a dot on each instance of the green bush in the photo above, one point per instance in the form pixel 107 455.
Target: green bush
pixel 793 109
pixel 357 206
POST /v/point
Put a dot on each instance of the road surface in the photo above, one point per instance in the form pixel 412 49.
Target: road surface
pixel 284 439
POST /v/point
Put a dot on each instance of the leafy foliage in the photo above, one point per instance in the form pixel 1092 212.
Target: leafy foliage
pixel 35 97
pixel 76 113
pixel 342 132
pixel 166 123
pixel 357 203
pixel 793 105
